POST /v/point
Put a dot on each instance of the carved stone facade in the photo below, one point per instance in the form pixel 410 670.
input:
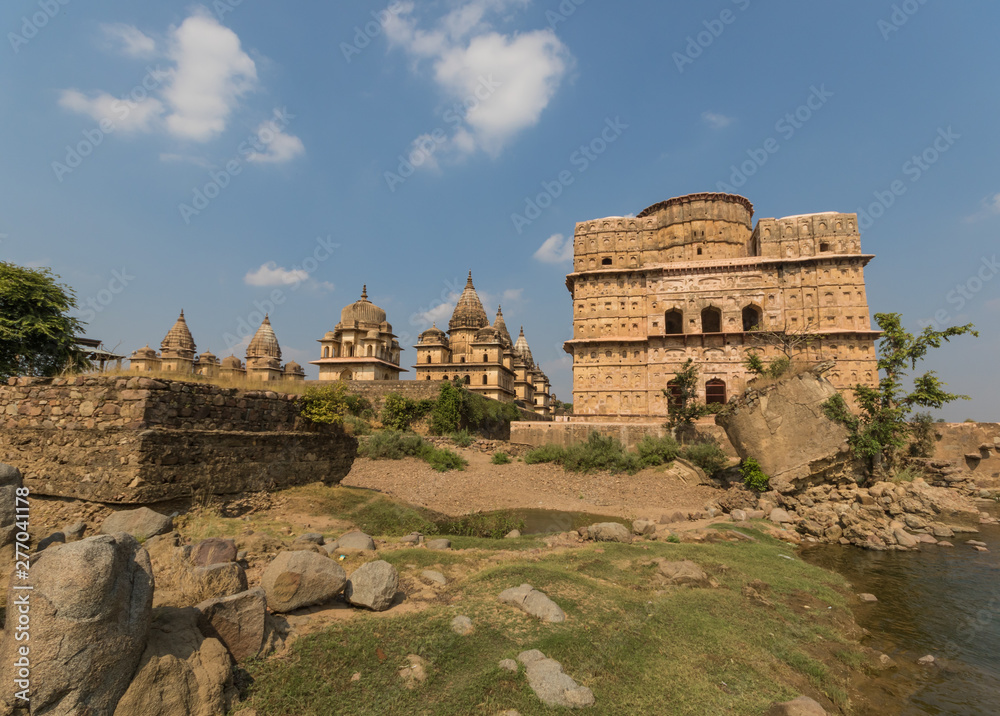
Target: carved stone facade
pixel 483 356
pixel 360 347
pixel 177 355
pixel 692 278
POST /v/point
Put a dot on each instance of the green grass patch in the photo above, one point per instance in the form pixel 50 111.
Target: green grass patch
pixel 397 444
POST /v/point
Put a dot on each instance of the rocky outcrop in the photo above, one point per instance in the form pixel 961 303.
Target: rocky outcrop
pixel 10 481
pixel 214 550
pixel 219 580
pixel 141 523
pixel 373 586
pixel 181 671
pixel 299 579
pixel 783 427
pixel 608 532
pixel 551 684
pixel 238 622
pixel 534 602
pixel 89 617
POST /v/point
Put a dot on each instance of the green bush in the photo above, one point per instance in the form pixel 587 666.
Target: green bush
pixel 325 404
pixel 546 453
pixel 491 525
pixel 447 412
pixel 922 433
pixel 707 455
pixel 400 412
pixel 458 409
pixel 391 445
pixel 753 475
pixel 501 458
pixel 908 474
pixel 358 405
pixel 441 459
pixel 357 426
pixel 601 452
pixel 654 451
pixel 462 438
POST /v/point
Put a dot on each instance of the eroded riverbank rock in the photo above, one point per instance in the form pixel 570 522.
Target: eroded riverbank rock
pixel 89 615
pixel 181 672
pixel 609 532
pixel 783 427
pixel 552 685
pixel 534 602
pixel 373 586
pixel 802 706
pixel 141 523
pixel 299 579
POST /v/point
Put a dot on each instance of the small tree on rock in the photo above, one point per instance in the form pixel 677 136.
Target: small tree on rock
pixel 683 407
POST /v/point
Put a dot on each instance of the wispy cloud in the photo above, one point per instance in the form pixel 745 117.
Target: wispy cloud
pixel 501 83
pixel 990 207
pixel 129 40
pixel 556 249
pixel 270 274
pixel 716 120
pixel 126 115
pixel 279 147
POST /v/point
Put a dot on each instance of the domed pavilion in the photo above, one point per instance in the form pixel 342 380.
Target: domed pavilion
pixel 360 347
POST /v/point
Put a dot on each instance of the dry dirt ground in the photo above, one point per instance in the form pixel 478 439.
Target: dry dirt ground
pixel 483 487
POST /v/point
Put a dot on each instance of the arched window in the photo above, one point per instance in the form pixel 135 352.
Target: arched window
pixel 484 380
pixel 673 322
pixel 462 359
pixel 711 320
pixel 326 351
pixel 346 375
pixel 751 317
pixel 486 358
pixel 444 377
pixel 673 393
pixel 468 380
pixel 369 351
pixel 350 350
pixel 427 378
pixel 715 391
pixel 429 359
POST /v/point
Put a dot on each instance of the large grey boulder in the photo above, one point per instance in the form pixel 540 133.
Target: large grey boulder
pixel 214 550
pixel 219 580
pixel 802 706
pixel 89 617
pixel 181 671
pixel 10 480
pixel 298 579
pixel 551 684
pixel 782 426
pixel 609 532
pixel 352 540
pixel 141 523
pixel 238 622
pixel 534 602
pixel 373 586
pixel 684 573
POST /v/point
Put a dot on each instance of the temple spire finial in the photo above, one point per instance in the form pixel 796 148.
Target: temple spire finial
pixel 364 292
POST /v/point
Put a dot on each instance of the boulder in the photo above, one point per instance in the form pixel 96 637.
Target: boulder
pixel 214 550
pixel 535 603
pixel 904 539
pixel 10 481
pixel 313 537
pixel 643 527
pixel 181 671
pixel 513 534
pixel 90 615
pixel 373 586
pixel 414 673
pixel 608 532
pixel 237 621
pixel 219 580
pixel 508 665
pixel 74 531
pixel 54 538
pixel 353 540
pixel 141 523
pixel 779 516
pixel 432 575
pixel 412 538
pixel 462 625
pixel 802 706
pixel 551 684
pixel 438 544
pixel 738 515
pixel 783 427
pixel 298 579
pixel 684 573
pixel 867 598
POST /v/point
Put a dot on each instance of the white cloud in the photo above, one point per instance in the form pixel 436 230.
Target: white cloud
pixel 991 207
pixel 212 73
pixel 270 274
pixel 280 147
pixel 124 114
pixel 440 314
pixel 499 83
pixel 556 249
pixel 716 120
pixel 129 40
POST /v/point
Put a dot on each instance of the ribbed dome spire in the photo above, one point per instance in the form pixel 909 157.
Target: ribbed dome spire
pixel 362 311
pixel 521 347
pixel 469 311
pixel 264 343
pixel 179 338
pixel 500 325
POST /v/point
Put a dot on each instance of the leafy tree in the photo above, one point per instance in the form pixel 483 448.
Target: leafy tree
pixel 774 369
pixel 880 431
pixel 683 407
pixel 327 404
pixel 36 332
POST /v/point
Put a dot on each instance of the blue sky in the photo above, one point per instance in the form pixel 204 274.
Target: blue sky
pixel 234 156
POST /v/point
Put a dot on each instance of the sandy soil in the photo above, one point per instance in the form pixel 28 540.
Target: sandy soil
pixel 483 486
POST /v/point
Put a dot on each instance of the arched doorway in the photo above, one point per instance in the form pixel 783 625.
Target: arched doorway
pixel 673 322
pixel 711 320
pixel 751 318
pixel 715 392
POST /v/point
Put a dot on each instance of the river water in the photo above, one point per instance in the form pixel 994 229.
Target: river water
pixel 940 601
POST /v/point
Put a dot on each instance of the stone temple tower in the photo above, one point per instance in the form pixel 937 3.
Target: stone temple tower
pixel 466 321
pixel 177 348
pixel 264 354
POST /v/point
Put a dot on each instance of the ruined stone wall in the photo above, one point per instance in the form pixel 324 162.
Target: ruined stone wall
pixel 376 391
pixel 567 434
pixel 140 440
